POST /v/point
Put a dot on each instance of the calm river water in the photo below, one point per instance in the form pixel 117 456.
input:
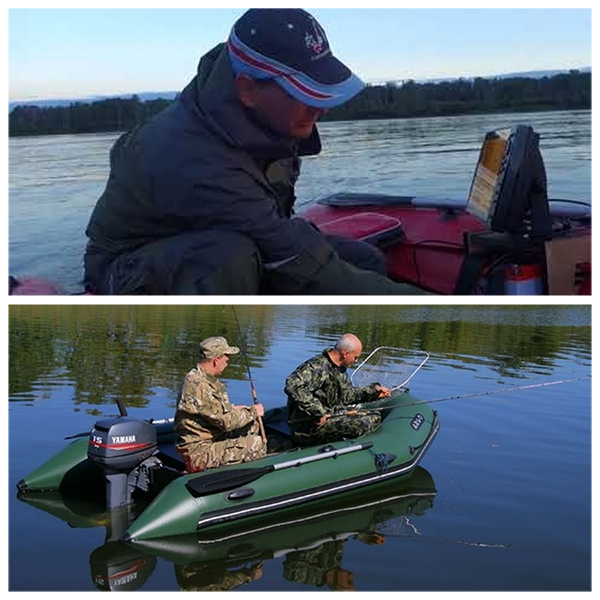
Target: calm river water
pixel 509 475
pixel 56 180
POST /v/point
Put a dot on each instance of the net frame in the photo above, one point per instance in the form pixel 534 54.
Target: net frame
pixel 390 366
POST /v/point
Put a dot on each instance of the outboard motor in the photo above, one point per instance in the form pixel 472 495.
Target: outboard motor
pixel 125 448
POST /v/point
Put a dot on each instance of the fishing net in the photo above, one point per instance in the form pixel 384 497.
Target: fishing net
pixel 391 367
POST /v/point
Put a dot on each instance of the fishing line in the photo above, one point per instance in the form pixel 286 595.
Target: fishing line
pixel 489 392
pixel 498 391
pixel 416 533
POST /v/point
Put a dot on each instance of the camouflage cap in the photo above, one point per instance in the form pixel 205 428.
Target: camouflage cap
pixel 216 346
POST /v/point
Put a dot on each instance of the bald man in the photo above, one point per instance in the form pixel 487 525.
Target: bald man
pixel 320 387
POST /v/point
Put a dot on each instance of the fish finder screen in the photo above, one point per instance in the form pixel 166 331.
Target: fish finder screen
pixel 488 174
pixel 508 192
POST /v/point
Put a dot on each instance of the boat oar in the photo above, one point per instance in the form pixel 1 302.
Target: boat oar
pixel 219 481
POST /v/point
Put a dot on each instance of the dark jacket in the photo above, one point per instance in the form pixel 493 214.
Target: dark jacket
pixel 318 387
pixel 201 164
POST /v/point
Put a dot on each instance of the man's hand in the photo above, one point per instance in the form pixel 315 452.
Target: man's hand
pixel 260 409
pixel 383 391
pixel 322 420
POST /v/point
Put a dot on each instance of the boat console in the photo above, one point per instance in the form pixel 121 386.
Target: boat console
pixel 505 238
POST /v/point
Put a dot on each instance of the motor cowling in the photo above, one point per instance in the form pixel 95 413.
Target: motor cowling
pixel 122 443
pixel 124 447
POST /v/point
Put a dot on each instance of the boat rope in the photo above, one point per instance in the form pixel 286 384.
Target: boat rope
pixel 382 460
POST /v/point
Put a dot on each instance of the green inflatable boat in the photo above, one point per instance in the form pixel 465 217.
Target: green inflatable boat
pixel 133 463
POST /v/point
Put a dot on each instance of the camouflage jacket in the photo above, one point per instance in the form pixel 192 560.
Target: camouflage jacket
pixel 317 387
pixel 204 412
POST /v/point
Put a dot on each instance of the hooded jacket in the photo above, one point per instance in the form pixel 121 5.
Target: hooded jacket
pixel 202 164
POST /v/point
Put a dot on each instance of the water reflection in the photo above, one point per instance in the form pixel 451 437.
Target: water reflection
pixel 312 542
pixel 101 353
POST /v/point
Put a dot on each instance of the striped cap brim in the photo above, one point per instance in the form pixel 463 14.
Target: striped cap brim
pixel 299 85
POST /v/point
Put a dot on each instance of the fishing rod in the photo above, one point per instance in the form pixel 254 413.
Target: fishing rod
pixel 498 391
pixel 460 397
pixel 261 426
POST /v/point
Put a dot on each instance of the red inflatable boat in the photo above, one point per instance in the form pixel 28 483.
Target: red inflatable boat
pixel 505 238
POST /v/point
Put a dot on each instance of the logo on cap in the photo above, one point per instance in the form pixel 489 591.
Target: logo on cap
pixel 314 40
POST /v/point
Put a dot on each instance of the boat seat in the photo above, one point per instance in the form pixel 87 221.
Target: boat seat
pixel 275 419
pixel 278 431
pixel 169 456
pixel 375 228
pixel 280 427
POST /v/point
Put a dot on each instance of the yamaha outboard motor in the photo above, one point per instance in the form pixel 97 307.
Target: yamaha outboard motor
pixel 125 448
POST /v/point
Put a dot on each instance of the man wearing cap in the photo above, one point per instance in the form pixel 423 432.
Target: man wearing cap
pixel 200 198
pixel 211 431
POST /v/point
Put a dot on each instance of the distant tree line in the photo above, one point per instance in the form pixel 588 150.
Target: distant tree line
pixel 114 114
pixel 569 91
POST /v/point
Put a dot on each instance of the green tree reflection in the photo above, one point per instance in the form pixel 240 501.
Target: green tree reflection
pixel 128 352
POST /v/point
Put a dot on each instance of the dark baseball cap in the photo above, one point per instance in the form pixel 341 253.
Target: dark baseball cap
pixel 289 46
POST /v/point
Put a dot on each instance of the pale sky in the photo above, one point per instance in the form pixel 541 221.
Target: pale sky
pixel 76 53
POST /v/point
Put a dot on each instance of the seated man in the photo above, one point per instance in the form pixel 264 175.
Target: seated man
pixel 200 199
pixel 320 386
pixel 211 431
